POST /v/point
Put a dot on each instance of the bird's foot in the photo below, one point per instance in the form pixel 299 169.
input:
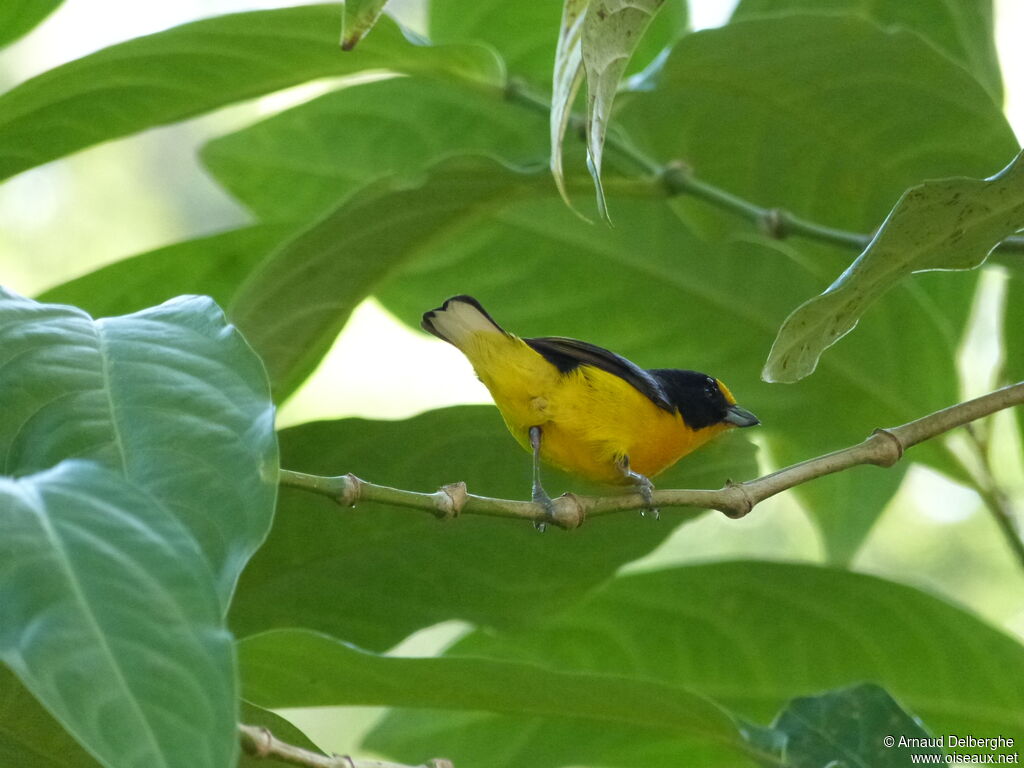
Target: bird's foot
pixel 646 488
pixel 541 497
pixel 643 485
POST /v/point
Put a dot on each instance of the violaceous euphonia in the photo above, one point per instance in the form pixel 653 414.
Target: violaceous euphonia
pixel 584 409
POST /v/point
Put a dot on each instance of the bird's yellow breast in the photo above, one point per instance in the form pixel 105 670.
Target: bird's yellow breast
pixel 589 418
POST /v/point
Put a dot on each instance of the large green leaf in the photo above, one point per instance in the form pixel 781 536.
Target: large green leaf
pixel 962 29
pixel 197 67
pixel 172 397
pixel 834 119
pixel 947 224
pixel 29 735
pixel 387 571
pixel 750 636
pixel 214 266
pixel 112 620
pixel 299 163
pixel 19 16
pixel 526 34
pixel 295 668
pixel 293 307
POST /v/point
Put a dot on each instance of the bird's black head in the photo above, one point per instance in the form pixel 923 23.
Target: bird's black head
pixel 702 400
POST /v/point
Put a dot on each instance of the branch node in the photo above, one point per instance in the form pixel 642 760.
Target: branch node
pixel 773 224
pixel 261 743
pixel 675 176
pixel 440 762
pixel 351 492
pixel 896 445
pixel 346 760
pixel 738 503
pixel 450 500
pixel 569 511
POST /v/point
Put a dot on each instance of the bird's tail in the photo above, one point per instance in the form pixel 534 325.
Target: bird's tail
pixel 458 319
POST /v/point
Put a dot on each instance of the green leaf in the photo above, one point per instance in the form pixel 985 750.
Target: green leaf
pixel 29 736
pixel 298 164
pixel 112 620
pixel 171 397
pixel 357 19
pixel 611 31
pixel 198 67
pixel 293 307
pixel 300 668
pixel 962 29
pixel 835 120
pixel 848 728
pixel 19 16
pixel 214 265
pixel 749 636
pixel 390 571
pixel 947 224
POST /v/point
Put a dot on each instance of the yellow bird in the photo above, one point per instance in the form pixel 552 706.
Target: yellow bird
pixel 584 409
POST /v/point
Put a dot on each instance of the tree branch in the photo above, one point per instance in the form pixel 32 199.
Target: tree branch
pixel 883 448
pixel 677 179
pixel 259 742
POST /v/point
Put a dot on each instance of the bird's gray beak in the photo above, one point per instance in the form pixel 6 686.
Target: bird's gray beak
pixel 741 417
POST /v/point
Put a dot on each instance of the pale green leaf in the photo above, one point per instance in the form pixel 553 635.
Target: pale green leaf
pixel 611 32
pixel 172 397
pixel 198 67
pixel 112 620
pixel 357 19
pixel 566 81
pixel 946 224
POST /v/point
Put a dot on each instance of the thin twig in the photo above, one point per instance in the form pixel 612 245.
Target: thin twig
pixel 677 179
pixel 883 448
pixel 261 743
pixel 992 495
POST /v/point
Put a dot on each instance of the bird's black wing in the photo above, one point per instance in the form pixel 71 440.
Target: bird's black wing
pixel 568 354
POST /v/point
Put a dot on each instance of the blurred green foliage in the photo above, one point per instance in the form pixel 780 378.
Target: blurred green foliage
pixel 432 181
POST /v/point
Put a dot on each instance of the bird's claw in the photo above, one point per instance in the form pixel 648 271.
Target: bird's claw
pixel 646 488
pixel 541 497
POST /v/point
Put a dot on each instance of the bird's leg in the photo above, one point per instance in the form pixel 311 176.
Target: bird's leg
pixel 643 484
pixel 540 496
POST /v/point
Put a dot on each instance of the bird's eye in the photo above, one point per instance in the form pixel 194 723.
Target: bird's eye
pixel 710 387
